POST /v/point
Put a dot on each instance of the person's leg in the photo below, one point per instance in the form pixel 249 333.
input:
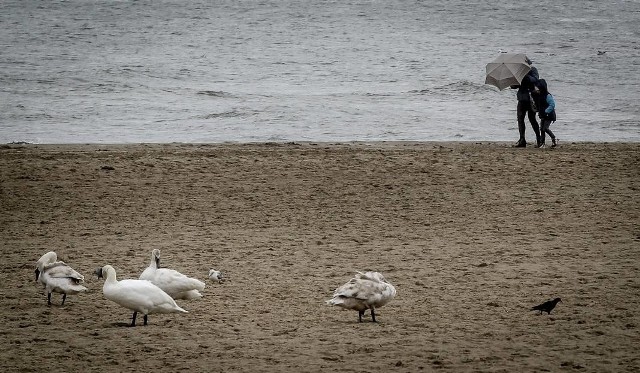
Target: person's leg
pixel 521 112
pixel 534 125
pixel 553 137
pixel 544 125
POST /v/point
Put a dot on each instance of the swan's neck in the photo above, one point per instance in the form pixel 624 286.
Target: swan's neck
pixel 111 277
pixel 154 262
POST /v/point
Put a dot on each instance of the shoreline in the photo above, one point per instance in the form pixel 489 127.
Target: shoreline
pixel 315 144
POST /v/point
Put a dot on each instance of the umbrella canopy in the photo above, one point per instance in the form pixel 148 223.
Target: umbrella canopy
pixel 507 70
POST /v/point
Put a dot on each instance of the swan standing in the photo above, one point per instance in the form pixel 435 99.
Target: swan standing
pixel 137 295
pixel 56 276
pixel 171 281
pixel 368 290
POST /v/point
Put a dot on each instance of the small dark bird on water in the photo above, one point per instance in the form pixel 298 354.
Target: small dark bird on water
pixel 546 306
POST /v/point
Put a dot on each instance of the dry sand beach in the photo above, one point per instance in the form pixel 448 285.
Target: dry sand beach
pixel 472 235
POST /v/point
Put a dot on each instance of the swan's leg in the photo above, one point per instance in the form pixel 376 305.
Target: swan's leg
pixel 48 299
pixel 133 319
pixel 64 297
pixel 373 314
pixel 360 314
pixel 145 319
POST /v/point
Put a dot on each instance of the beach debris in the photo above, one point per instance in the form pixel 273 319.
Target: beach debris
pixel 174 283
pixel 369 290
pixel 137 295
pixel 216 275
pixel 600 53
pixel 107 168
pixel 57 277
pixel 546 306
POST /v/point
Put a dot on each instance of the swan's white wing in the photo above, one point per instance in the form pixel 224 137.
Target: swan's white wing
pixel 141 296
pixel 63 285
pixel 348 296
pixel 382 294
pixel 372 276
pixel 62 270
pixel 364 290
pixel 361 289
pixel 175 283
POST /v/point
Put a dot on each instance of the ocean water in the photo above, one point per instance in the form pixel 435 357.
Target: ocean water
pixel 101 71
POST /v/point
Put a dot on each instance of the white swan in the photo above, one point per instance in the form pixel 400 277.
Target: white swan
pixel 56 276
pixel 216 275
pixel 171 281
pixel 137 295
pixel 368 290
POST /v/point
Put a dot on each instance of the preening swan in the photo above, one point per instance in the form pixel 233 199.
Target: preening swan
pixel 368 290
pixel 56 276
pixel 216 275
pixel 171 281
pixel 137 295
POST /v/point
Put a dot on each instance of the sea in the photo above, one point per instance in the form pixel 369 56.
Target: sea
pixel 239 71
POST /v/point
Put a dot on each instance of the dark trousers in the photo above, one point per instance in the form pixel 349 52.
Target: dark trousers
pixel 545 124
pixel 524 108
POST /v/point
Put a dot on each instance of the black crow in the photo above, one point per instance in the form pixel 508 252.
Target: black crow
pixel 546 306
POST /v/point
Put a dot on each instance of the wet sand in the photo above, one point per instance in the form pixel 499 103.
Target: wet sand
pixel 472 235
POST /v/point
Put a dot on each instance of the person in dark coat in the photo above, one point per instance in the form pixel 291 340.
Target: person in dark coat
pixel 525 107
pixel 546 106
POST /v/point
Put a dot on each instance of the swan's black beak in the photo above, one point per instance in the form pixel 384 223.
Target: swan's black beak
pixel 37 274
pixel 98 272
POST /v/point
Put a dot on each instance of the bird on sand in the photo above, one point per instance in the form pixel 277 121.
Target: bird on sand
pixel 174 283
pixel 216 275
pixel 369 290
pixel 56 276
pixel 137 295
pixel 547 306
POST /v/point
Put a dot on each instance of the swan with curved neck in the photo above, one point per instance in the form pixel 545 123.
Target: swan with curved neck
pixel 140 296
pixel 171 281
pixel 366 291
pixel 58 277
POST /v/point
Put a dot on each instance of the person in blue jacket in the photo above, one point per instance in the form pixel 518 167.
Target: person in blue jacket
pixel 525 107
pixel 546 106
